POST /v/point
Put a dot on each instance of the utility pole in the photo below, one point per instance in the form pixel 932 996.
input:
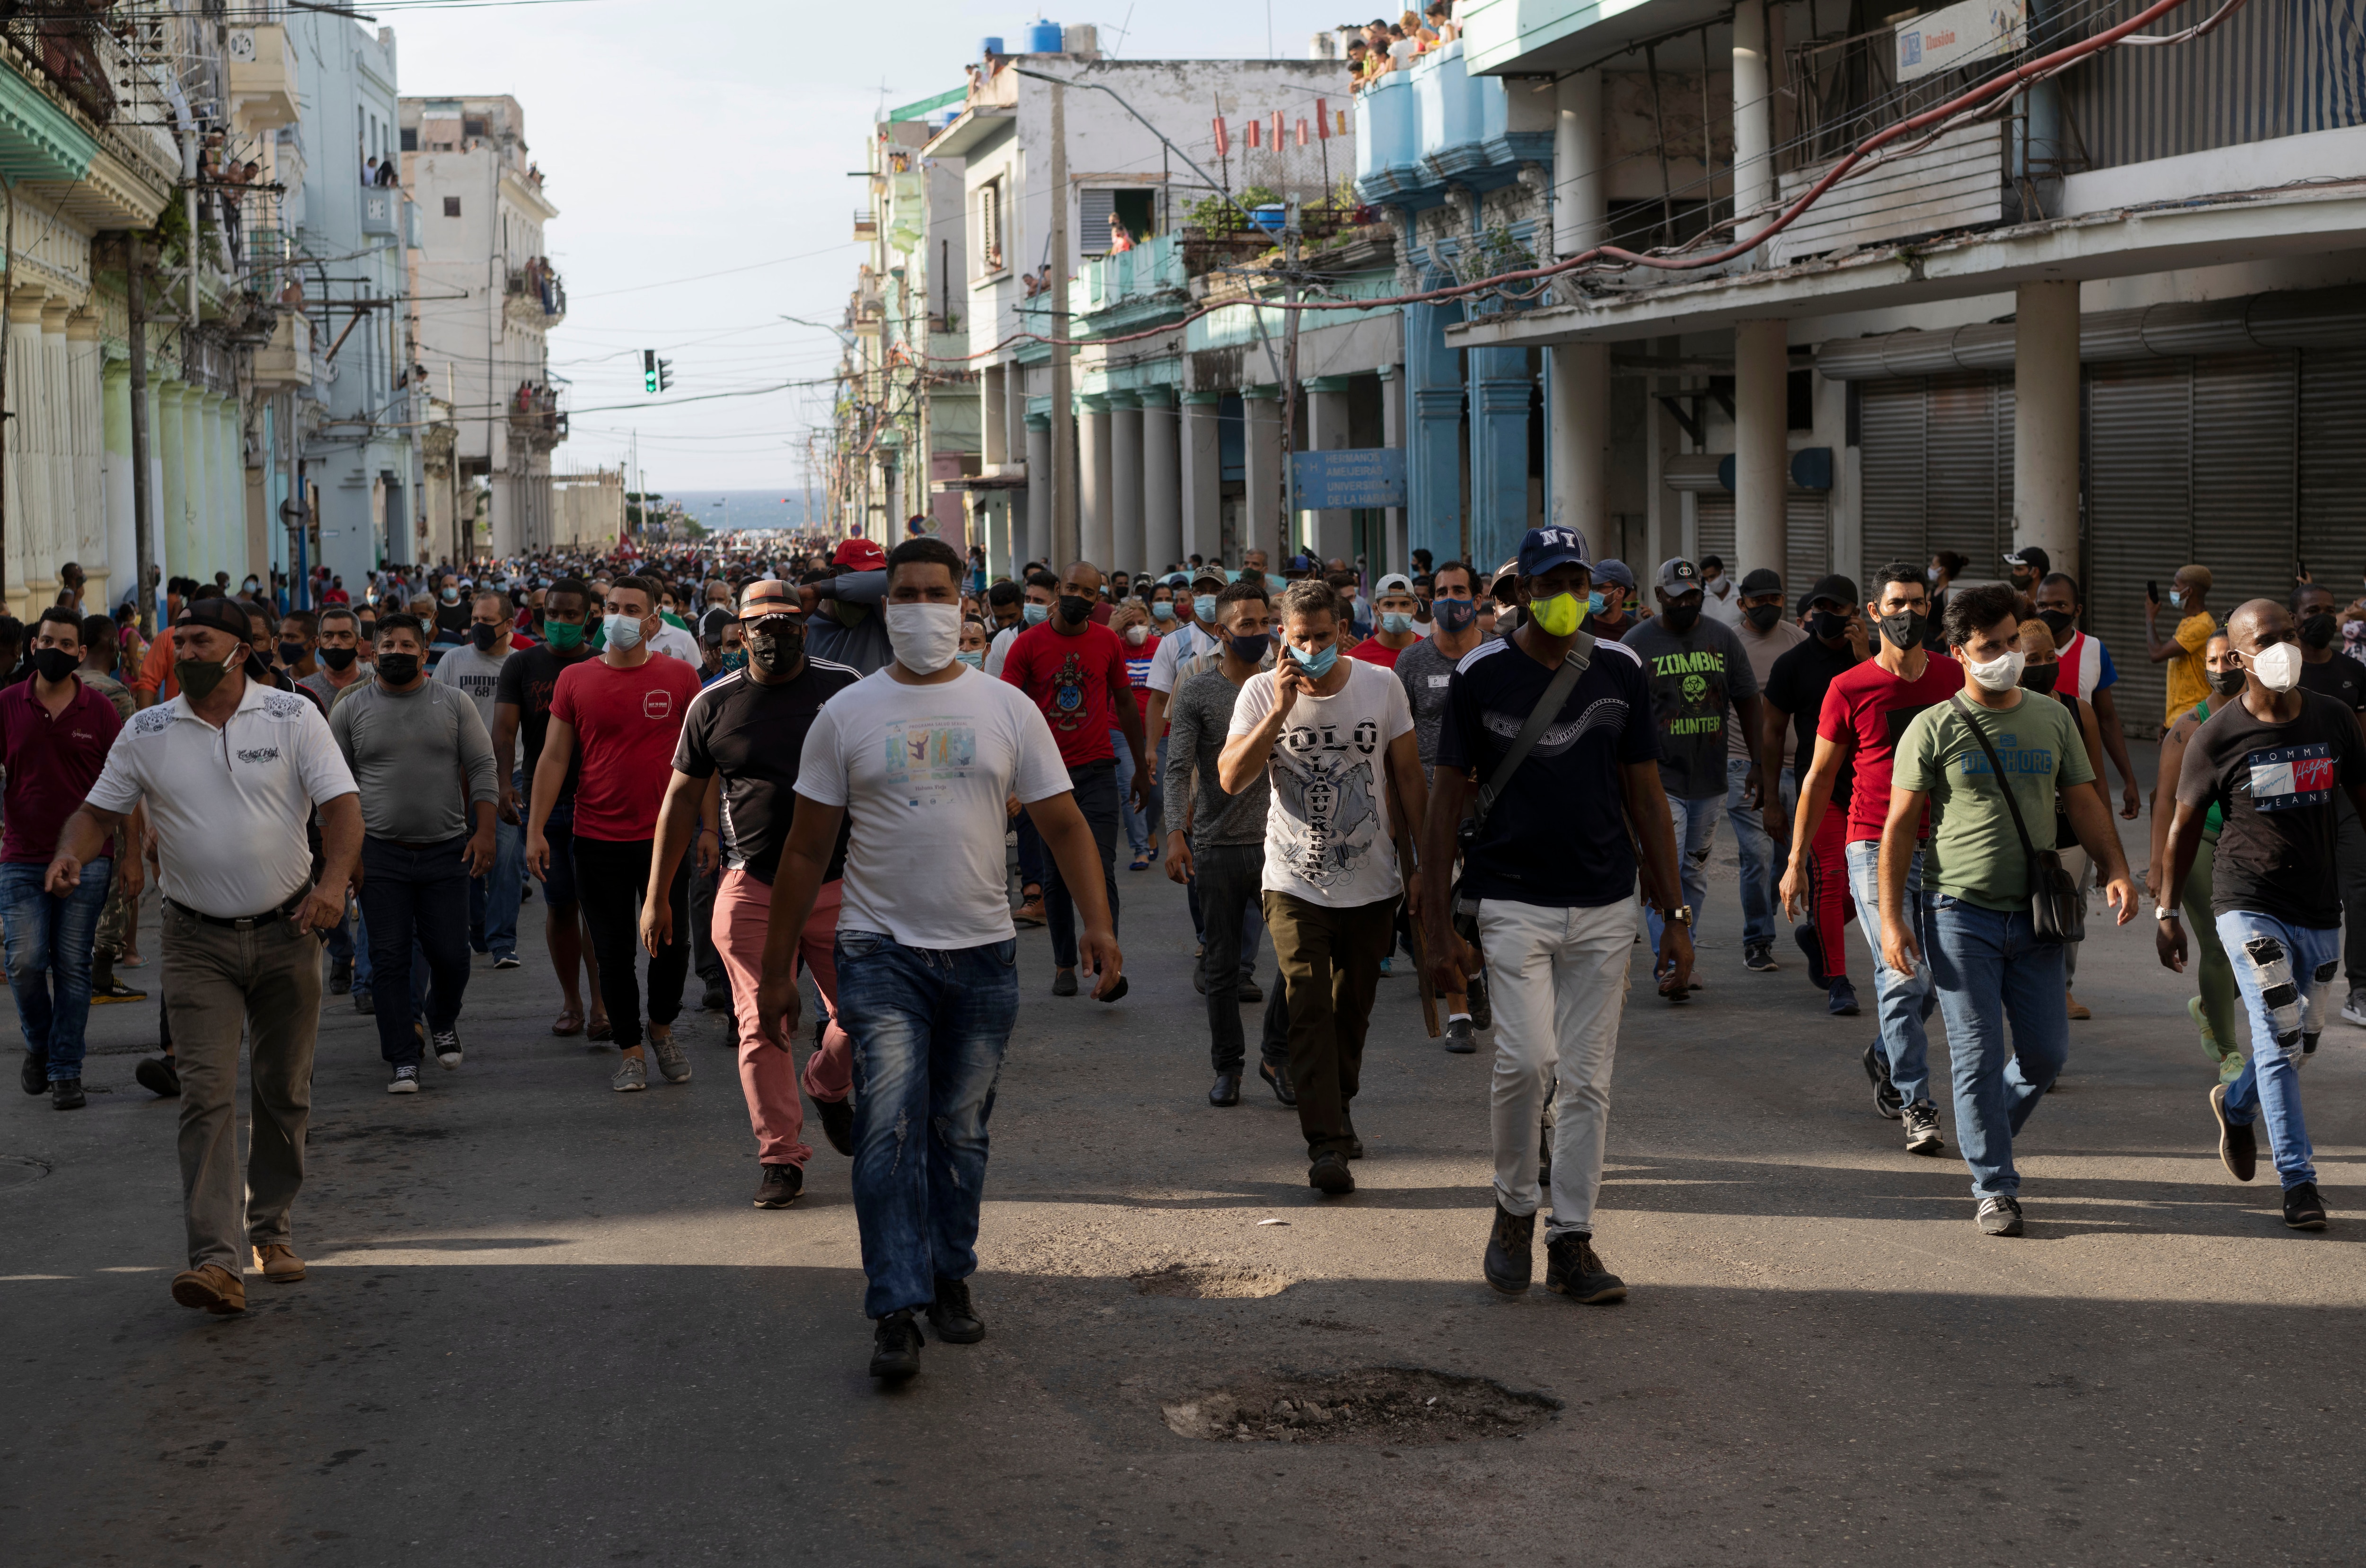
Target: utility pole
pixel 1067 542
pixel 143 536
pixel 7 286
pixel 1291 235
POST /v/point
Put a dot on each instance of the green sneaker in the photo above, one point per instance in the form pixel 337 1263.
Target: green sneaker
pixel 2229 1060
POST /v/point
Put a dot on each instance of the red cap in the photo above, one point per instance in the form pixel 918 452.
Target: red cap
pixel 860 555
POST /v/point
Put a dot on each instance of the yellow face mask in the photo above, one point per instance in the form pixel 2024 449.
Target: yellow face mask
pixel 1559 615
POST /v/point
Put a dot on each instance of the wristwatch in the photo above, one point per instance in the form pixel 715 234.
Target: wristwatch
pixel 2165 913
pixel 1682 915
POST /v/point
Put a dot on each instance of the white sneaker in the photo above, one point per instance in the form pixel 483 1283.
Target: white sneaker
pixel 2354 1010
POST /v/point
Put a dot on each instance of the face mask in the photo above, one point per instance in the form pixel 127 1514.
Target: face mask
pixel 1137 636
pixel 734 658
pixel 482 636
pixel 1762 616
pixel 1561 614
pixel 1251 649
pixel 2000 674
pixel 1396 623
pixel 1203 605
pixel 290 652
pixel 2059 623
pixel 1931 572
pixel 1596 604
pixel 925 636
pixel 1680 618
pixel 624 632
pixel 1454 615
pixel 1830 628
pixel 1317 664
pixel 776 653
pixel 1161 610
pixel 2226 683
pixel 252 585
pixel 2278 668
pixel 2040 678
pixel 338 659
pixel 975 659
pixel 451 595
pixel 2317 631
pixel 54 664
pixel 2176 598
pixel 369 633
pixel 1074 609
pixel 564 636
pixel 398 669
pixel 1035 614
pixel 1904 629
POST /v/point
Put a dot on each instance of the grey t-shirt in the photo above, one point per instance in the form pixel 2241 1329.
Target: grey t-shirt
pixel 1426 674
pixel 1199 718
pixel 478 675
pixel 1696 677
pixel 409 753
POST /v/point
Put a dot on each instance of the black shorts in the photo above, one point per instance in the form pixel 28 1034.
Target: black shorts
pixel 559 881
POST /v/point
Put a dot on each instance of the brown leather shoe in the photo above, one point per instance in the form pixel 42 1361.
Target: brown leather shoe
pixel 213 1287
pixel 278 1264
pixel 1031 913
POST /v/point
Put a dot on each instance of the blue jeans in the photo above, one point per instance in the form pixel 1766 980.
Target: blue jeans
pixel 928 1028
pixel 48 943
pixel 2285 974
pixel 1137 824
pixel 1757 868
pixel 1095 787
pixel 1992 970
pixel 493 897
pixel 1902 1002
pixel 1695 836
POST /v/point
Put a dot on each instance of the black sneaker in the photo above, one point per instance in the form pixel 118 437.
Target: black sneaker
pixel 837 1124
pixel 1064 982
pixel 1922 1136
pixel 1759 956
pixel 1573 1268
pixel 2303 1210
pixel 1804 933
pixel 779 1185
pixel 896 1348
pixel 447 1044
pixel 1483 1012
pixel 364 1002
pixel 715 997
pixel 1251 993
pixel 65 1094
pixel 1885 1097
pixel 1840 998
pixel 1462 1035
pixel 2238 1147
pixel 1276 1076
pixel 159 1076
pixel 950 1315
pixel 111 989
pixel 341 976
pixel 1511 1258
pixel 405 1079
pixel 1329 1175
pixel 35 1075
pixel 1999 1216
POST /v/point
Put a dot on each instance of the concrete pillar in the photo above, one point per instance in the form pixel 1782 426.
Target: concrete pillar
pixel 86 425
pixel 1395 553
pixel 221 543
pixel 2045 421
pixel 1038 487
pixel 1328 533
pixel 57 416
pixel 1581 184
pixel 1577 376
pixel 1754 111
pixel 1499 453
pixel 1014 414
pixel 1203 477
pixel 30 508
pixel 993 433
pixel 1162 487
pixel 1092 482
pixel 1261 503
pixel 173 492
pixel 1125 484
pixel 1762 461
pixel 1433 394
pixel 115 482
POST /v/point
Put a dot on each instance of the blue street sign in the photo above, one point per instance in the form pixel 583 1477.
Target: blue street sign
pixel 1345 478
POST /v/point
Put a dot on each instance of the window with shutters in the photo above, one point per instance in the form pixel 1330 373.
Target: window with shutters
pixel 990 228
pixel 1094 211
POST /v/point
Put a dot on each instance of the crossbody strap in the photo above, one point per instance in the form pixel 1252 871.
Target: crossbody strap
pixel 1995 764
pixel 1540 717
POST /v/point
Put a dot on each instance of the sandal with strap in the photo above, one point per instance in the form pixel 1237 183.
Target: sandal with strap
pixel 568 1023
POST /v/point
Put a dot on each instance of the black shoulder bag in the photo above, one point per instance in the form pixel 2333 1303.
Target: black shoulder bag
pixel 2055 912
pixel 1557 690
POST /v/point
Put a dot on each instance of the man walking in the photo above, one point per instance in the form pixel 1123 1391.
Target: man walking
pixel 1395 604
pixel 118 919
pixel 1074 671
pixel 924 756
pixel 425 766
pixel 2277 761
pixel 341 660
pixel 735 769
pixel 230 770
pixel 1426 671
pixel 474 669
pixel 1991 765
pixel 1753 791
pixel 54 737
pixel 1332 739
pixel 1548 863
pixel 1793 699
pixel 521 723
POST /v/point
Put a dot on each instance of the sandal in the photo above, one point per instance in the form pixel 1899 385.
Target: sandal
pixel 569 1022
pixel 599 1028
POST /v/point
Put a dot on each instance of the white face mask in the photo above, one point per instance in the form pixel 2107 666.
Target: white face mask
pixel 925 636
pixel 1999 674
pixel 2278 668
pixel 624 632
pixel 1137 634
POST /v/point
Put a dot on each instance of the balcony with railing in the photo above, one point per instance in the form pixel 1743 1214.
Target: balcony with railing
pixel 536 295
pixel 536 417
pixel 1418 131
pixel 265 87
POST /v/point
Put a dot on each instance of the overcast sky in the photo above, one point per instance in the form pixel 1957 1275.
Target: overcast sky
pixel 698 149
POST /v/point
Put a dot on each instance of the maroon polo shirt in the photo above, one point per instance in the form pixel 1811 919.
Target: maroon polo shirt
pixel 52 764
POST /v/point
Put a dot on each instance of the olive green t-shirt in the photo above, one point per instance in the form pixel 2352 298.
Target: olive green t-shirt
pixel 1975 853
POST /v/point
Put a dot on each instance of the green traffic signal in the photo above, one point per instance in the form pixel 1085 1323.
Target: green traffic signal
pixel 649 370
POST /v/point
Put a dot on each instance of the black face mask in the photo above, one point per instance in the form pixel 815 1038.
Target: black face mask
pixel 1903 630
pixel 2039 678
pixel 776 653
pixel 54 664
pixel 1830 628
pixel 1680 618
pixel 338 659
pixel 2059 622
pixel 2317 631
pixel 1074 609
pixel 398 669
pixel 1762 616
pixel 369 632
pixel 2226 683
pixel 200 677
pixel 482 636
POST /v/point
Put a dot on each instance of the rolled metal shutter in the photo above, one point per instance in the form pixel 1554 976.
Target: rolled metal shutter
pixel 1890 429
pixel 2246 501
pixel 1808 538
pixel 1961 511
pixel 1713 511
pixel 2332 466
pixel 2139 515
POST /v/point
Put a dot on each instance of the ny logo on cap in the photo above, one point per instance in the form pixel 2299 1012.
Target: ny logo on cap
pixel 1562 537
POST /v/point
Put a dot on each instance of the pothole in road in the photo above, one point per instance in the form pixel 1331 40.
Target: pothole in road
pixel 1375 1407
pixel 18 1169
pixel 1211 1281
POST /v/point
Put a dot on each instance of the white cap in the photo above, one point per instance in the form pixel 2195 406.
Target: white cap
pixel 1395 582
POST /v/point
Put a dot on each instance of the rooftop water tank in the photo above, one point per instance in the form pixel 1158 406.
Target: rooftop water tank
pixel 990 46
pixel 1043 37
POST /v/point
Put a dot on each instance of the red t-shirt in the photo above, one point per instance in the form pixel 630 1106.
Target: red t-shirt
pixel 1137 664
pixel 627 722
pixel 1372 653
pixel 52 764
pixel 1074 680
pixel 1865 710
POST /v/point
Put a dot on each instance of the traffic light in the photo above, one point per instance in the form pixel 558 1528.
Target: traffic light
pixel 649 370
pixel 665 375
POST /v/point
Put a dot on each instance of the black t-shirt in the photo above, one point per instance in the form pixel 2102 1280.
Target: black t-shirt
pixel 452 620
pixel 528 678
pixel 754 735
pixel 2340 677
pixel 1795 684
pixel 2281 789
pixel 1558 834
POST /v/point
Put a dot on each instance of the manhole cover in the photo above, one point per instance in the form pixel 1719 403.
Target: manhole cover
pixel 17 1169
pixel 1211 1281
pixel 1371 1408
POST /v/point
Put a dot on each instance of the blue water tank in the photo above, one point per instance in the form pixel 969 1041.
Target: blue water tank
pixel 1043 37
pixel 990 46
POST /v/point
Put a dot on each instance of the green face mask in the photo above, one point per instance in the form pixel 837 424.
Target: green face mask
pixel 564 636
pixel 1560 615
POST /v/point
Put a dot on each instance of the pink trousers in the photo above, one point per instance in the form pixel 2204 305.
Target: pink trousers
pixel 743 914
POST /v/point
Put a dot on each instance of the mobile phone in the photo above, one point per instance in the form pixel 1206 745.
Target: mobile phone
pixel 2299 572
pixel 2152 590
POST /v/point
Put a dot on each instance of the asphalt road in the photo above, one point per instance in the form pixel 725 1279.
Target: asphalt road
pixel 542 1326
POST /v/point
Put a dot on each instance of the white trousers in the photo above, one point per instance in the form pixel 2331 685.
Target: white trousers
pixel 1559 982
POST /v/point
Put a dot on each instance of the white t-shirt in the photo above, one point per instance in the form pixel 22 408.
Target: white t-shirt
pixel 1189 642
pixel 925 773
pixel 229 805
pixel 1725 606
pixel 1326 834
pixel 1000 648
pixel 676 641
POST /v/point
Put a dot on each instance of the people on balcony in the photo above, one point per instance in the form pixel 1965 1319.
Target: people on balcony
pixel 1121 239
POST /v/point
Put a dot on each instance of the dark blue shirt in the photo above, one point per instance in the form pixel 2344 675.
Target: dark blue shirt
pixel 1558 834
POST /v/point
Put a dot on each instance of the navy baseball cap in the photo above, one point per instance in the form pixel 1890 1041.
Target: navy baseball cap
pixel 1545 549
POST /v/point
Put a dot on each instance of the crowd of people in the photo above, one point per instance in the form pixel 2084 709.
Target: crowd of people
pixel 825 760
